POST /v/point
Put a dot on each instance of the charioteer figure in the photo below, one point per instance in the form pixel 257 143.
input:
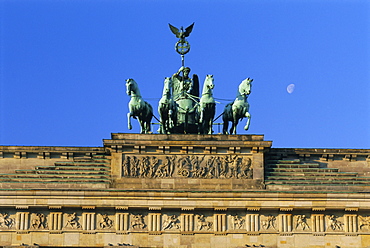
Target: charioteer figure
pixel 182 83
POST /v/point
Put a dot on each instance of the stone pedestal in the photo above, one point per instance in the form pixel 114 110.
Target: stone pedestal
pixel 187 162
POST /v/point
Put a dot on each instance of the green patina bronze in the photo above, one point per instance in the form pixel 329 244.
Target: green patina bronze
pixel 181 108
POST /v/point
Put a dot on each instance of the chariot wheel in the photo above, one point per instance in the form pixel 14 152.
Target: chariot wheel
pixel 184 172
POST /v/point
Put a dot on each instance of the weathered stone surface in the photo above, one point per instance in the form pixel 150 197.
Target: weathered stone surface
pixel 224 191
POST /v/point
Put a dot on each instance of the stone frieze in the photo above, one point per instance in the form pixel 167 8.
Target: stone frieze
pixel 188 166
pixel 202 221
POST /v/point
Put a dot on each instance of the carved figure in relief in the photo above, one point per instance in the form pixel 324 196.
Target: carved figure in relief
pixel 171 222
pixel 138 221
pixel 245 170
pixel 233 167
pixel 126 166
pixel 364 222
pixel 333 223
pixel 38 221
pixel 237 222
pixel 152 166
pixel 5 221
pixel 198 170
pixel 105 222
pixel 184 166
pixel 302 222
pixel 211 168
pixel 171 166
pixel 224 164
pixel 195 166
pixel 135 165
pixel 72 221
pixel 144 166
pixel 162 170
pixel 165 169
pixel 269 222
pixel 202 223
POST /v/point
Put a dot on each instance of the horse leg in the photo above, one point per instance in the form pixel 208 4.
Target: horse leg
pixel 201 115
pixel 129 120
pixel 225 126
pixel 166 124
pixel 161 123
pixel 248 116
pixel 147 126
pixel 142 125
pixel 169 120
pixel 211 117
pixel 210 128
pixel 201 123
pixel 234 123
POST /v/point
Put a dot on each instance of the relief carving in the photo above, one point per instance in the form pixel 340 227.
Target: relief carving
pixel 203 223
pixel 105 222
pixel 196 166
pixel 6 221
pixel 302 222
pixel 171 222
pixel 38 221
pixel 333 223
pixel 184 166
pixel 137 221
pixel 166 169
pixel 72 221
pixel 237 222
pixel 269 222
pixel 364 222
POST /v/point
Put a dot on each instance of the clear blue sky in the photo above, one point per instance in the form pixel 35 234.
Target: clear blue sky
pixel 63 66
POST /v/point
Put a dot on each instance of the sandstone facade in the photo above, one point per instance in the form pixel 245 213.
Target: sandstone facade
pixel 152 190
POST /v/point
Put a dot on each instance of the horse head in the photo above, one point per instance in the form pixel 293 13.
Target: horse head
pixel 210 81
pixel 167 86
pixel 245 86
pixel 131 87
pixel 208 84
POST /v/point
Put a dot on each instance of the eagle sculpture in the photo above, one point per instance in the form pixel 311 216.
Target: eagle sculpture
pixel 181 34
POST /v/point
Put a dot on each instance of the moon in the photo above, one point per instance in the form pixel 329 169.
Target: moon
pixel 290 88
